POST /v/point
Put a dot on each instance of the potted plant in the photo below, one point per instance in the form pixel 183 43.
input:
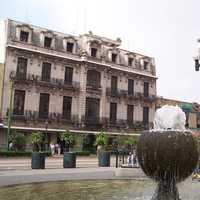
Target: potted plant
pixel 131 143
pixel 38 157
pixel 17 141
pixel 69 158
pixel 103 155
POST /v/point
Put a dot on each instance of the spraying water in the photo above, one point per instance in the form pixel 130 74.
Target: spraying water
pixel 169 117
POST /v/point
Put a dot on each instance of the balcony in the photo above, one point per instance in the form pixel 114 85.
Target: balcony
pixel 53 82
pixel 134 96
pixel 116 93
pixel 94 89
pixel 151 98
pixel 30 115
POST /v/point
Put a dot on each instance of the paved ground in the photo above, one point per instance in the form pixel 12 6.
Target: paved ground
pixel 18 171
pixel 51 163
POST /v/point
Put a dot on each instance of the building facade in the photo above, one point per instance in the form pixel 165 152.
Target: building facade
pixel 82 83
pixel 191 110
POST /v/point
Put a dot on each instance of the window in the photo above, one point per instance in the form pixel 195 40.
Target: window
pixel 113 112
pixel 67 105
pixel 146 89
pixel 93 79
pixel 130 87
pixel 21 68
pixel 46 71
pixel 114 84
pixel 145 115
pixel 19 98
pixel 92 110
pixel 114 57
pixel 70 46
pixel 68 75
pixel 93 52
pixel 24 36
pixel 47 42
pixel 145 65
pixel 44 106
pixel 130 61
pixel 130 109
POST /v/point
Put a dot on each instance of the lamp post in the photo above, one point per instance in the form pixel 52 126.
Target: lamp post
pixel 10 109
pixel 197 58
pixel 46 135
pixel 197 65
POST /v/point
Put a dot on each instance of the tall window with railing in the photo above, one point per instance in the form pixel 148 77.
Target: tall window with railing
pixel 19 99
pixel 146 89
pixel 93 79
pixel 113 112
pixel 46 71
pixel 130 87
pixel 44 106
pixel 114 84
pixel 21 68
pixel 67 106
pixel 130 110
pixel 145 115
pixel 68 75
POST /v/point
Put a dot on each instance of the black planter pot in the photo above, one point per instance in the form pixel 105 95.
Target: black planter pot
pixel 104 159
pixel 38 160
pixel 69 160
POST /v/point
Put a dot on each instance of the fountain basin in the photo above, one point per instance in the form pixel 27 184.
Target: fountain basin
pixel 167 157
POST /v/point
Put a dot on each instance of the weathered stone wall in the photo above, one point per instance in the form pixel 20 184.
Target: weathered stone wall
pixel 37 54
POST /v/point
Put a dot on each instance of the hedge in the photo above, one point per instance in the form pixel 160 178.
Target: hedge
pixel 82 153
pixel 19 154
pixel 4 153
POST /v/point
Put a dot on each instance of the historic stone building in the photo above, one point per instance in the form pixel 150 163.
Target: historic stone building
pixel 192 110
pixel 82 83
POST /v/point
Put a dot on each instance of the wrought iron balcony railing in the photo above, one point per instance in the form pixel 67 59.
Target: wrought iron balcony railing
pixel 52 82
pixel 116 93
pixel 94 89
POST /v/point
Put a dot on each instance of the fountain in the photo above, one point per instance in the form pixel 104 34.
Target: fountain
pixel 168 153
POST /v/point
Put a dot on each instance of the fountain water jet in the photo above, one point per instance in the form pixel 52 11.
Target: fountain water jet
pixel 167 154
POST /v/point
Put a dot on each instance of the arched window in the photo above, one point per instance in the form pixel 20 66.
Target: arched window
pixel 93 78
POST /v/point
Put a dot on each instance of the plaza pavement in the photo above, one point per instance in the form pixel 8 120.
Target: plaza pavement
pixel 55 162
pixel 18 171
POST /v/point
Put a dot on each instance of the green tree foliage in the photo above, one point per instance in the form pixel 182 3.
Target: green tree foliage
pixel 68 138
pixel 126 142
pixel 18 140
pixel 101 139
pixel 36 140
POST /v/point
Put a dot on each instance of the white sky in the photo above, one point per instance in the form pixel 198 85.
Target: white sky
pixel 164 29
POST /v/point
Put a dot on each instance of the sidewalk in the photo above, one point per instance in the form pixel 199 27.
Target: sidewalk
pixel 55 162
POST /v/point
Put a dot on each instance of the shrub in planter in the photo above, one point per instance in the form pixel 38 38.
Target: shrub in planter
pixel 103 155
pixel 38 157
pixel 18 141
pixel 69 158
pixel 131 143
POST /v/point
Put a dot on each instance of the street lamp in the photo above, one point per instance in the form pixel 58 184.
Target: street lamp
pixel 10 107
pixel 197 65
pixel 46 135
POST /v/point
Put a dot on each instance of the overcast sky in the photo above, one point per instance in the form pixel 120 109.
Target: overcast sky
pixel 164 29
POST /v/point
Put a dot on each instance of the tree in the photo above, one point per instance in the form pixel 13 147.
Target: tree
pixel 101 140
pixel 126 142
pixel 18 141
pixel 36 140
pixel 131 142
pixel 68 138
